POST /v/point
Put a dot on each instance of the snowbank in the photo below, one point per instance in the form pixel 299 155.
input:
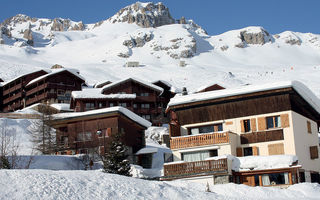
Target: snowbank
pixel 47 184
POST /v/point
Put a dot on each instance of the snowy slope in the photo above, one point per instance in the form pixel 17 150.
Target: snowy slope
pixel 46 184
pixel 100 51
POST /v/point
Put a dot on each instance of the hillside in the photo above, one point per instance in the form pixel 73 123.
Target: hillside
pixel 47 184
pixel 147 33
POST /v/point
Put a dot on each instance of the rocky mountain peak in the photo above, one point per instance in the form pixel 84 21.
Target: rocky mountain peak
pixel 144 15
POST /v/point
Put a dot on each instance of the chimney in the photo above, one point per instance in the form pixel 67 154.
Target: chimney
pixel 184 91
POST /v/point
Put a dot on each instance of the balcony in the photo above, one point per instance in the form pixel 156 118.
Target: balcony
pixel 12 98
pixel 262 136
pixel 189 169
pixel 199 140
pixel 12 89
pixel 40 97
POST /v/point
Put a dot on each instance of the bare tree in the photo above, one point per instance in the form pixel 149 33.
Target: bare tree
pixel 9 146
pixel 43 135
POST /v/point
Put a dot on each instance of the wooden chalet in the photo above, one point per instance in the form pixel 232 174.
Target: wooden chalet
pixel 89 131
pixel 54 87
pixel 14 91
pixel 143 98
pixel 263 120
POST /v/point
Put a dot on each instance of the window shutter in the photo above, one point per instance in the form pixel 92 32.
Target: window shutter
pixel 255 151
pixel 239 152
pixel 276 149
pixel 253 124
pixel 108 131
pixel 262 123
pixel 314 152
pixel 242 126
pixel 309 126
pixel 284 120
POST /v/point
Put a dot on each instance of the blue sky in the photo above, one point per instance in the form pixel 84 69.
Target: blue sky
pixel 215 16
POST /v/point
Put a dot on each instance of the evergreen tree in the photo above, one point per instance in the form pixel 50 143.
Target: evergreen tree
pixel 4 163
pixel 115 159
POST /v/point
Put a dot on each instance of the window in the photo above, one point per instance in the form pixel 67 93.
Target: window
pixel 206 129
pixel 123 104
pixel 60 92
pixel 135 105
pixel 122 93
pixel 144 94
pixel 145 105
pixel 111 104
pixel 273 122
pixel 85 136
pixel 309 127
pixel 89 106
pixel 314 152
pixel 198 155
pixel 100 105
pixel 247 125
pixel 247 151
pixel 147 117
pixel 275 179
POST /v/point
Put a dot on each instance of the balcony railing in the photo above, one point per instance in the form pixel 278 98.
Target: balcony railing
pixel 188 169
pixel 199 140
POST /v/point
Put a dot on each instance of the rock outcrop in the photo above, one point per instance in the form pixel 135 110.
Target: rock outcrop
pixel 144 14
pixel 28 36
pixel 65 25
pixel 255 37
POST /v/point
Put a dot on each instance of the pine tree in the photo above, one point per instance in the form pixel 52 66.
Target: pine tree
pixel 115 159
pixel 4 163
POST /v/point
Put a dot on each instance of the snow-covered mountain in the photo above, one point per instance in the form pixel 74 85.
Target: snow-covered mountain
pixel 147 33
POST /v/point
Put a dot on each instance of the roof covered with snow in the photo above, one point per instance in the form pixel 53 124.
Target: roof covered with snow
pixel 56 71
pixel 122 110
pixel 96 93
pixel 61 106
pixel 249 163
pixel 22 75
pixel 299 87
pixel 147 84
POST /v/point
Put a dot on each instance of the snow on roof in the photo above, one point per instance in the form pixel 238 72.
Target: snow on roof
pixel 299 87
pixel 147 84
pixel 9 81
pixel 61 106
pixel 120 109
pixel 147 150
pixel 259 162
pixel 164 82
pixel 56 71
pixel 96 93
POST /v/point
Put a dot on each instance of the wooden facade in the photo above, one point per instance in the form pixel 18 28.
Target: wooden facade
pixel 79 134
pixel 14 92
pixel 55 88
pixel 148 102
pixel 255 177
pixel 239 106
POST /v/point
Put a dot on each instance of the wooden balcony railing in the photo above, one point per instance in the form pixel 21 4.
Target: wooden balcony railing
pixel 188 169
pixel 12 98
pixel 199 140
pixel 12 89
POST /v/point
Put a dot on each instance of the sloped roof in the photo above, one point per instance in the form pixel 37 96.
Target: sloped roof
pixel 54 72
pixel 122 110
pixel 147 84
pixel 299 87
pixel 96 93
pixel 22 75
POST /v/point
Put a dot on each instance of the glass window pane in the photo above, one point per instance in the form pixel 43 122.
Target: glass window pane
pixel 206 129
pixel 194 131
pixel 270 122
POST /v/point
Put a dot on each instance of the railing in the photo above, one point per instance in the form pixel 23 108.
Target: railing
pixel 195 168
pixel 12 98
pixel 199 140
pixel 12 89
pixel 262 136
pixel 36 89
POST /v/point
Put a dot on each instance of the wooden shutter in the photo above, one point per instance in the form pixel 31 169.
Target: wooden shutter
pixel 262 123
pixel 239 152
pixel 309 126
pixel 253 124
pixel 242 126
pixel 276 149
pixel 314 152
pixel 255 151
pixel 284 120
pixel 109 132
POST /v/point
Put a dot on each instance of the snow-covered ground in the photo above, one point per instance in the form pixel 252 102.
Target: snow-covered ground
pixel 47 184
